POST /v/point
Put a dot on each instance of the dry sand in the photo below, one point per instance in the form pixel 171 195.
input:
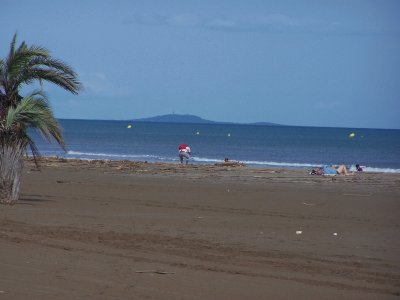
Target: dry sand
pixel 120 230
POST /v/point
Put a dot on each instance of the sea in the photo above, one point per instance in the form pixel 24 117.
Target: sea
pixel 377 150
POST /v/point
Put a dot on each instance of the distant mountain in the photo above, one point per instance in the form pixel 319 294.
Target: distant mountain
pixel 265 124
pixel 175 118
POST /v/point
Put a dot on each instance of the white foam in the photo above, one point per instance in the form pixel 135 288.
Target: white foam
pixel 264 163
pixel 282 164
pixel 205 160
pixel 380 170
pixel 72 153
pixel 292 165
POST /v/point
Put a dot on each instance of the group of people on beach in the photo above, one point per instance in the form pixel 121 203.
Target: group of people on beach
pixel 335 170
pixel 185 153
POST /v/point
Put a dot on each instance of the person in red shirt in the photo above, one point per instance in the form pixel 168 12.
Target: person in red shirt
pixel 184 153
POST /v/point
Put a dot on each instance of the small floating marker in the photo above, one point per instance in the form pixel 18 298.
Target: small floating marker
pixel 129 126
pixel 198 133
pixel 351 135
pixel 229 134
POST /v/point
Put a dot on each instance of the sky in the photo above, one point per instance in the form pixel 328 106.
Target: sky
pixel 309 63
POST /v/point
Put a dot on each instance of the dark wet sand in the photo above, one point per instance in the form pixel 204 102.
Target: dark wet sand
pixel 119 230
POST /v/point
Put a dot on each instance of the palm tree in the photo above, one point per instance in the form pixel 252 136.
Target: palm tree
pixel 22 66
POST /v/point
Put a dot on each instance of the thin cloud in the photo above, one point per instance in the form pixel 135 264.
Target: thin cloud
pixel 221 23
pixel 98 84
pixel 145 19
pixel 178 20
pixel 269 23
pixel 185 20
pixel 281 19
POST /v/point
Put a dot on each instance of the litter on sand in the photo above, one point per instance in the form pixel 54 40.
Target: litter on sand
pixel 299 232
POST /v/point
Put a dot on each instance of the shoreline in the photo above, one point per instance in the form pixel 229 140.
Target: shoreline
pixel 239 173
pixel 133 230
pixel 278 166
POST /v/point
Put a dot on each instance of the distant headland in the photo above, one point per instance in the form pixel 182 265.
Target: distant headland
pixel 192 119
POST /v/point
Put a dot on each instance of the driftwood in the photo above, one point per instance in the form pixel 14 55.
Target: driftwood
pixel 155 272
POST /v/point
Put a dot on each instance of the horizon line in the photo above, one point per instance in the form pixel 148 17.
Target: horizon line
pixel 227 123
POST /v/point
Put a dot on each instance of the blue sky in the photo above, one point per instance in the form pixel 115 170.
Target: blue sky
pixel 309 63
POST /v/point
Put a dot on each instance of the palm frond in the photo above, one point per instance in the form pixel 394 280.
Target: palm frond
pixel 34 149
pixel 26 64
pixel 19 61
pixel 21 47
pixel 2 70
pixel 64 80
pixel 12 45
pixel 51 63
pixel 2 76
pixel 35 112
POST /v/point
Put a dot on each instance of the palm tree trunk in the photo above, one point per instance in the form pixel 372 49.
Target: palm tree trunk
pixel 11 154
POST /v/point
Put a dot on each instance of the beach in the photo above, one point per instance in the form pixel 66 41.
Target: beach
pixel 137 230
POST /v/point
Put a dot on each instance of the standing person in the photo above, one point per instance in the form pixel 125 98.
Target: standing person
pixel 184 153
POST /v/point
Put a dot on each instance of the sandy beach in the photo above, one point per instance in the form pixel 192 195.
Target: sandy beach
pixel 130 230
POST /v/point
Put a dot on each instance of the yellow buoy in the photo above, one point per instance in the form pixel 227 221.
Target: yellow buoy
pixel 129 126
pixel 351 135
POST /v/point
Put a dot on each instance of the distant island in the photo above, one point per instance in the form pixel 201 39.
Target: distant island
pixel 192 119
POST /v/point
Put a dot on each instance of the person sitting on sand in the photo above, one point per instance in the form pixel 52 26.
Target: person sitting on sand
pixel 184 153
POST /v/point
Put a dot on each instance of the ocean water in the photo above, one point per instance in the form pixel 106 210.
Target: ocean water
pixel 258 146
